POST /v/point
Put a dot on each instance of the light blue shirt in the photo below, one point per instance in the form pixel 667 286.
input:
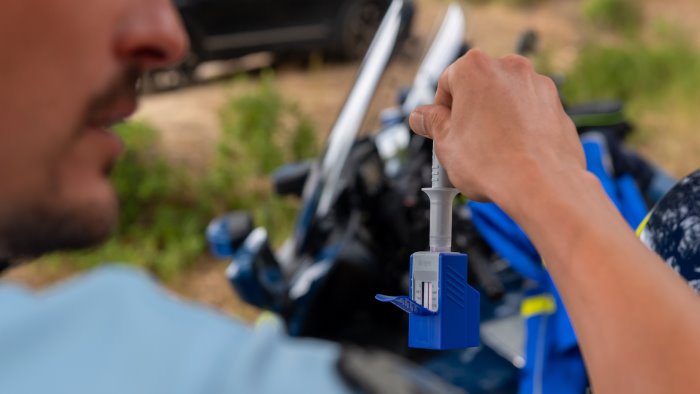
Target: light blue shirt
pixel 115 331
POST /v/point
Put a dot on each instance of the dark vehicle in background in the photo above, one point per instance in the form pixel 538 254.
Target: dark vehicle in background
pixel 226 29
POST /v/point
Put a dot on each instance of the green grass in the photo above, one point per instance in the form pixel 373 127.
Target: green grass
pixel 165 208
pixel 622 16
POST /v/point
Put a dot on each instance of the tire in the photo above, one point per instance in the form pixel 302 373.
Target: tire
pixel 359 21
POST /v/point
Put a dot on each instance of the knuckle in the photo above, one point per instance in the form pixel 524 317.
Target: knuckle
pixel 550 85
pixel 445 76
pixel 437 121
pixel 517 62
pixel 466 69
pixel 569 125
pixel 476 58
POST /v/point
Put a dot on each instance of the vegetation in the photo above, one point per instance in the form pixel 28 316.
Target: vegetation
pixel 636 71
pixel 165 208
pixel 516 3
pixel 658 79
pixel 616 15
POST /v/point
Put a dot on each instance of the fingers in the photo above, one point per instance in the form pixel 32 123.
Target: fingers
pixel 443 96
pixel 497 124
pixel 475 58
pixel 430 121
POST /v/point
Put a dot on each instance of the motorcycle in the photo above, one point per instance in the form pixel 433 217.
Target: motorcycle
pixel 363 213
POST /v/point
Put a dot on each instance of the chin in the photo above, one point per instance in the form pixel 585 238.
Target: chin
pixel 60 224
pixel 95 219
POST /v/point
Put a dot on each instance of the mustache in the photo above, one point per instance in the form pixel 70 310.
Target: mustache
pixel 124 87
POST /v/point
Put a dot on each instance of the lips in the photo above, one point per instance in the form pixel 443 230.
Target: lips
pixel 100 133
pixel 112 114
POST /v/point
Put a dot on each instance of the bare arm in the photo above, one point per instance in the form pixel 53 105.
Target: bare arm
pixel 501 133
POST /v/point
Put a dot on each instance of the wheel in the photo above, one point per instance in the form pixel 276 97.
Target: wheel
pixel 359 21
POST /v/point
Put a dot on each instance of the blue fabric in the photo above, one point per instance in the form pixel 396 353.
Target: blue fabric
pixel 548 369
pixel 508 239
pixel 115 331
pixel 633 208
pixel 622 190
pixel 553 360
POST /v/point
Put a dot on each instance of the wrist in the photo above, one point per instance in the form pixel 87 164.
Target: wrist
pixel 558 208
pixel 533 185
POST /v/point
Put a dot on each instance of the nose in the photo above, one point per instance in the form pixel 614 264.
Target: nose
pixel 152 36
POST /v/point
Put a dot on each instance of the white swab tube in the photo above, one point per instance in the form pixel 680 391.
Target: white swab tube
pixel 441 195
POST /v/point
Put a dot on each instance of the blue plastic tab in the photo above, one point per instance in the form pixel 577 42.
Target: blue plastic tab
pixel 406 304
pixel 443 309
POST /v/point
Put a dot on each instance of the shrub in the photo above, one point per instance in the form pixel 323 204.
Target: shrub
pixel 635 70
pixel 515 3
pixel 616 15
pixel 658 80
pixel 260 132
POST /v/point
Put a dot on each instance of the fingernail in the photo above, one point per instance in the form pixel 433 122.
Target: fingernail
pixel 417 122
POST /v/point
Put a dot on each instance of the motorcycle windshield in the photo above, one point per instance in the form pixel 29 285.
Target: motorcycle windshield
pixel 320 189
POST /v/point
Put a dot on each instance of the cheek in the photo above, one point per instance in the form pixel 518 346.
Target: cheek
pixel 25 163
pixel 64 57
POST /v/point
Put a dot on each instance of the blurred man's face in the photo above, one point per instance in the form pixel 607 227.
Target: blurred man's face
pixel 68 70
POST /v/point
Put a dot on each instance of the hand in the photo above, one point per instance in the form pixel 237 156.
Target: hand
pixel 502 135
pixel 499 127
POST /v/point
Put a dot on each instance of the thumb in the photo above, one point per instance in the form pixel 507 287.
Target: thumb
pixel 430 120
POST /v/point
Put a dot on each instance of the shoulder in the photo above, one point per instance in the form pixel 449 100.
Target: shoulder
pixel 112 328
pixel 112 294
pixel 109 287
pixel 116 329
pixel 97 286
pixel 672 229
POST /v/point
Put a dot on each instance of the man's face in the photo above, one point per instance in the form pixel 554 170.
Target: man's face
pixel 68 71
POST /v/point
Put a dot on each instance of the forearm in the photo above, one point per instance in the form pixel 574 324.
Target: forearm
pixel 502 134
pixel 630 311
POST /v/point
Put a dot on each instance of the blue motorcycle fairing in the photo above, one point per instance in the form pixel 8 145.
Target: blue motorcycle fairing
pixel 553 360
